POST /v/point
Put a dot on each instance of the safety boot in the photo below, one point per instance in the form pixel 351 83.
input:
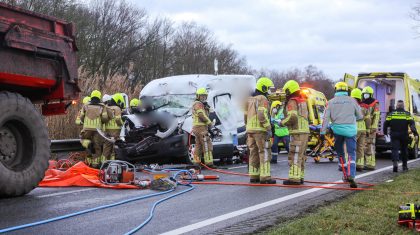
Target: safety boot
pixel 269 181
pixel 253 181
pixel 369 168
pixel 359 168
pixel 395 166
pixel 405 168
pixel 291 182
pixel 302 181
pixel 272 161
pixel 352 182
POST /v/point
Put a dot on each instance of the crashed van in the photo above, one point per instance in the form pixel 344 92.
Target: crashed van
pixel 172 99
pixel 389 87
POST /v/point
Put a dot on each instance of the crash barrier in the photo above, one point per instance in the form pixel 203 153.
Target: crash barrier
pixel 279 185
pixel 132 231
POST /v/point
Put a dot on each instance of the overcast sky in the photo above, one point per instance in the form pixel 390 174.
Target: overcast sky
pixel 336 36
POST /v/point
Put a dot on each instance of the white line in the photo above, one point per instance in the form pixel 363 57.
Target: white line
pixel 230 215
pixel 236 167
pixel 64 193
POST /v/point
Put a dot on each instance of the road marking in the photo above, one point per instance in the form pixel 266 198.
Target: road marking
pixel 233 214
pixel 64 193
pixel 237 167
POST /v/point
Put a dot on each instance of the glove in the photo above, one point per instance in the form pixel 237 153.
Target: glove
pixel 322 137
pixel 269 134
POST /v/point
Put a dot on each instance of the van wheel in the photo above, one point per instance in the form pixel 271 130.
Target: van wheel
pixel 414 152
pixel 189 159
pixel 24 145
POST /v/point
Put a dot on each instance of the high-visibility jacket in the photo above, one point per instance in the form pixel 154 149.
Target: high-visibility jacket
pixel 79 121
pixel 257 119
pixel 296 116
pixel 93 116
pixel 114 115
pixel 373 109
pixel 363 124
pixel 280 131
pixel 399 121
pixel 200 114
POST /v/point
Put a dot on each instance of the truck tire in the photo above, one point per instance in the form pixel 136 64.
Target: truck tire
pixel 24 145
pixel 414 152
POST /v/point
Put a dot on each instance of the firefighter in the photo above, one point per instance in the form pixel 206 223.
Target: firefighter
pixel 399 121
pixel 373 108
pixel 281 133
pixel 114 124
pixel 85 101
pixel 297 123
pixel 344 112
pixel 362 126
pixel 201 125
pixel 93 115
pixel 259 132
pixel 134 105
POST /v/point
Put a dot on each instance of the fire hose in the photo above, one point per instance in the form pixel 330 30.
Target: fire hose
pixel 54 219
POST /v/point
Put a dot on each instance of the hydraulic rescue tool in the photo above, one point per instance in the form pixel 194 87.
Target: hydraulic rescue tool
pixel 409 216
pixel 117 172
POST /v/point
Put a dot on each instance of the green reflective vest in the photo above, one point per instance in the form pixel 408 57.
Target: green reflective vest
pixel 280 131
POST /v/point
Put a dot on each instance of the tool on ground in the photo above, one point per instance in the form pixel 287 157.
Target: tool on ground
pixel 409 216
pixel 117 172
pixel 199 177
pixel 163 184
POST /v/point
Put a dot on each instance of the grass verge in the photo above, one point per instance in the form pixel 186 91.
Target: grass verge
pixel 367 212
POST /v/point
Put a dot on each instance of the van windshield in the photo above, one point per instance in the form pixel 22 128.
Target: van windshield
pixel 175 104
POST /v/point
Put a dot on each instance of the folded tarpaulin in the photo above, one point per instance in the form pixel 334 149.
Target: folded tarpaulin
pixel 79 175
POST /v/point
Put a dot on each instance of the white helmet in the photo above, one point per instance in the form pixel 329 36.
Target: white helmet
pixel 106 98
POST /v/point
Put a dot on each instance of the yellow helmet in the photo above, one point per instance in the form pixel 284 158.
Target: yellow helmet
pixel 275 103
pixel 134 102
pixel 86 100
pixel 367 90
pixel 96 94
pixel 341 86
pixel 201 91
pixel 291 87
pixel 264 84
pixel 119 99
pixel 356 93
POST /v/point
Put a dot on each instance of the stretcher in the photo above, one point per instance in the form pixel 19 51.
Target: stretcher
pixel 322 149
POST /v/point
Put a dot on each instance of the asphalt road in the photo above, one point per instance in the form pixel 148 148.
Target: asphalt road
pixel 207 209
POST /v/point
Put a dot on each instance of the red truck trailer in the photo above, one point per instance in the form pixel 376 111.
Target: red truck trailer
pixel 38 65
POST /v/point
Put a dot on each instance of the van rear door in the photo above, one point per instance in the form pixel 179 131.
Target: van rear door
pixel 350 80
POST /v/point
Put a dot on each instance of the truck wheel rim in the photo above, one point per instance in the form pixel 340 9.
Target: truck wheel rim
pixel 191 152
pixel 8 146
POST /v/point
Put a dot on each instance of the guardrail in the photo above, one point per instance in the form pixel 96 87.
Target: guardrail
pixel 66 145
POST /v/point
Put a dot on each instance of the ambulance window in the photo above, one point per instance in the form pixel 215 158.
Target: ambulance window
pixel 415 100
pixel 315 112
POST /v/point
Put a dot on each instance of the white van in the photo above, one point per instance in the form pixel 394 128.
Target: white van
pixel 174 96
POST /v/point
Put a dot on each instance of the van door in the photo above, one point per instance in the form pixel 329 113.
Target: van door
pixel 350 80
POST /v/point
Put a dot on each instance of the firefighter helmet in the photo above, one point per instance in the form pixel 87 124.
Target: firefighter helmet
pixel 134 102
pixel 291 87
pixel 264 84
pixel 367 90
pixel 119 99
pixel 341 86
pixel 96 94
pixel 356 93
pixel 86 100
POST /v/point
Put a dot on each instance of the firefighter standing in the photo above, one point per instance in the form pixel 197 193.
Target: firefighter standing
pixel 259 132
pixel 201 124
pixel 85 101
pixel 362 126
pixel 344 112
pixel 297 123
pixel 399 121
pixel 281 133
pixel 373 109
pixel 93 115
pixel 113 126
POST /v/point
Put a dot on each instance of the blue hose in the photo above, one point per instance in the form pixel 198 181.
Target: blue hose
pixel 10 229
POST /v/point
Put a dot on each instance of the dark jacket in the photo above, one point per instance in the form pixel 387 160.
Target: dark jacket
pixel 399 121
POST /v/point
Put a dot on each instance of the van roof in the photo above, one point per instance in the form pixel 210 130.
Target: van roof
pixel 188 84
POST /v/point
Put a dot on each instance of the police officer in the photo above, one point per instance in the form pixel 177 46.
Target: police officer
pixel 343 111
pixel 114 124
pixel 297 122
pixel 258 130
pixel 201 125
pixel 362 126
pixel 373 109
pixel 93 115
pixel 399 121
pixel 281 133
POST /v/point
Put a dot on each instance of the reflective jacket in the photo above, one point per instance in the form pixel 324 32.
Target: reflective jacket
pixel 364 123
pixel 93 116
pixel 256 118
pixel 297 116
pixel 399 121
pixel 279 131
pixel 114 118
pixel 373 108
pixel 200 114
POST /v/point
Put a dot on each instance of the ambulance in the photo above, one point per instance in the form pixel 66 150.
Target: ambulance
pixel 389 87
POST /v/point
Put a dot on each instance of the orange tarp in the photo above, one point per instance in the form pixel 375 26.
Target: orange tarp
pixel 79 175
